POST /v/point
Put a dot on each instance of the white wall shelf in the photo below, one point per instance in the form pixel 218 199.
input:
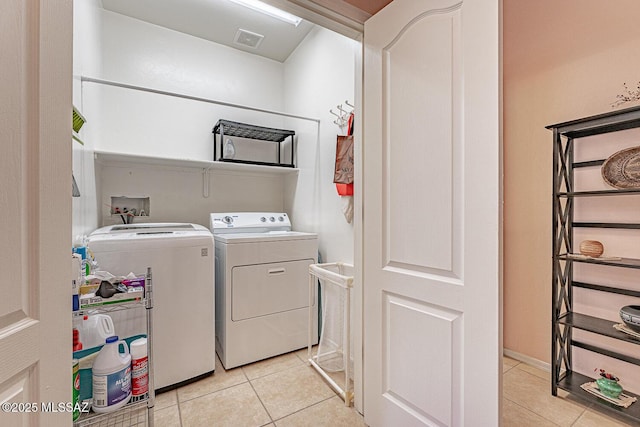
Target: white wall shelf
pixel 111 158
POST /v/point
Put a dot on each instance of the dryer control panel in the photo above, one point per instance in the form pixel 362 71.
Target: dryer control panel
pixel 249 222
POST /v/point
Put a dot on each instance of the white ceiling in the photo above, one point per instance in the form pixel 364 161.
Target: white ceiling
pixel 218 21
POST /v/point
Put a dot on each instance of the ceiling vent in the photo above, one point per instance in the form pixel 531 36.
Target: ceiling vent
pixel 248 39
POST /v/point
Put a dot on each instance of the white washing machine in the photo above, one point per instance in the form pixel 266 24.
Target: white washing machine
pixel 181 257
pixel 262 286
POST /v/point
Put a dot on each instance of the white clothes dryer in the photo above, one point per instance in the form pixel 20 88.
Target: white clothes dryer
pixel 262 286
pixel 182 266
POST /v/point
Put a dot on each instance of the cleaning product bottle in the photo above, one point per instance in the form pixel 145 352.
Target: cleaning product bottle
pixel 76 389
pixel 95 329
pixel 76 280
pixel 111 376
pixel 139 368
pixel 77 345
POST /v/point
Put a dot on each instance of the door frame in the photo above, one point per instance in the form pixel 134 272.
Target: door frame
pixel 358 249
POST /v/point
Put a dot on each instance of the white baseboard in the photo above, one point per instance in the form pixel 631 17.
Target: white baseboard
pixel 527 359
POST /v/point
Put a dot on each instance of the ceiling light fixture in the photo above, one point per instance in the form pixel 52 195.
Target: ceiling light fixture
pixel 272 11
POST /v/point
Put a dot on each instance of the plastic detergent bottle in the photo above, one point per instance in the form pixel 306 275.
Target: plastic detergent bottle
pixel 95 329
pixel 111 376
pixel 139 368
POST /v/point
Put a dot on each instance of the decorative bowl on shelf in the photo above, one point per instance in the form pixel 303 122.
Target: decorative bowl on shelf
pixel 591 248
pixel 608 384
pixel 630 315
pixel 609 388
pixel 622 169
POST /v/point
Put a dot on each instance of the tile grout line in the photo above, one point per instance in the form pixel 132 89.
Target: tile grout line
pixel 579 416
pixel 215 391
pixel 531 411
pixel 595 409
pixel 307 407
pixel 509 368
pixel 302 365
pixel 178 402
pixel 212 392
pixel 546 380
pixel 259 400
pixel 179 410
pixel 273 373
pixel 262 403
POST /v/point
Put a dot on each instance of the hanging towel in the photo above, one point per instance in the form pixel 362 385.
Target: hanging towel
pixel 347 208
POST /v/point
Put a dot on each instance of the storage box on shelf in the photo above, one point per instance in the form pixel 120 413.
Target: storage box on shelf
pixel 227 128
pixel 564 317
pixel 139 410
pixel 117 301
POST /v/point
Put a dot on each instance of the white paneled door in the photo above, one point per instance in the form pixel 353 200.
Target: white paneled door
pixel 35 199
pixel 431 167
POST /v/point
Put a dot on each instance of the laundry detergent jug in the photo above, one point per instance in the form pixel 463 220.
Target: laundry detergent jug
pixel 111 376
pixel 95 329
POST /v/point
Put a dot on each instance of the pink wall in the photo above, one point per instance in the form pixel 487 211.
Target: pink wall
pixel 563 59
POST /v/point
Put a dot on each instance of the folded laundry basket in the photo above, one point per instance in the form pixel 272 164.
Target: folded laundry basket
pixel 334 348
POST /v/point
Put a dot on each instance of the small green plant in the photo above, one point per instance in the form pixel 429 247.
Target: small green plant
pixel 607 375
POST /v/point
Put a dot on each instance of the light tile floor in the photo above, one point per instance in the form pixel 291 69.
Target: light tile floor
pixel 282 391
pixel 285 392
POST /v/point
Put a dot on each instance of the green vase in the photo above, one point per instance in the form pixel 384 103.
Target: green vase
pixel 609 388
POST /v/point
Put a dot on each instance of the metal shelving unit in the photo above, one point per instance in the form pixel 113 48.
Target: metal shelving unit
pixel 564 319
pixel 243 130
pixel 139 410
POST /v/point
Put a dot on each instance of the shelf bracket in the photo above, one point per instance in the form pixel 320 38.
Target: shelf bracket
pixel 205 183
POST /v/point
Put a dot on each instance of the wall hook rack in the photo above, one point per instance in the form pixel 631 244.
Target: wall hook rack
pixel 342 117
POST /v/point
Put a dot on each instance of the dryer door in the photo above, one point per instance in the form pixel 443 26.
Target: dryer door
pixel 262 289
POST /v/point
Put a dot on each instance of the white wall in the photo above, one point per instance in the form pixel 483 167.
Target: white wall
pixel 319 75
pixel 86 45
pixel 135 122
pixel 142 54
pixel 176 193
